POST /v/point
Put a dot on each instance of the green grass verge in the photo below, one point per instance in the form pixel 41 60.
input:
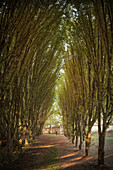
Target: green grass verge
pixel 54 134
pixel 51 161
pixel 108 140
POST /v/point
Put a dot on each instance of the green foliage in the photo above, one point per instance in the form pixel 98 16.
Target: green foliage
pixel 54 120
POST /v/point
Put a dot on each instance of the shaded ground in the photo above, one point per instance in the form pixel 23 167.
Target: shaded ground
pixel 70 158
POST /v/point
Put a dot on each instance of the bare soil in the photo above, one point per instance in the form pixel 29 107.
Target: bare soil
pixel 70 157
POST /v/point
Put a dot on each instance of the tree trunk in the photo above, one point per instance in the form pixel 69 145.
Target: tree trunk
pixel 73 133
pixel 101 148
pixel 10 142
pixel 101 141
pixel 80 146
pixel 76 144
pixel 50 129
pixel 73 138
pixel 87 143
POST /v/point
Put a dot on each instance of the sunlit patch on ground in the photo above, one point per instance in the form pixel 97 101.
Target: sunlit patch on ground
pixel 65 156
pixel 75 161
pixel 47 146
pixel 108 156
pixel 57 153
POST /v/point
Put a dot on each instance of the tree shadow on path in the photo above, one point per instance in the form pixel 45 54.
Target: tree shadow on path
pixel 69 157
pixel 32 158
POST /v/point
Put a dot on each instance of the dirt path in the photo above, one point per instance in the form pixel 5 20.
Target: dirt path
pixel 70 158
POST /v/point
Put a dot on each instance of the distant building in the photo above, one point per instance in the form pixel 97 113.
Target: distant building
pixel 52 130
pixel 59 129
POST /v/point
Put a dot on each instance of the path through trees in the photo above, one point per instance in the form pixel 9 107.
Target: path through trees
pixel 69 156
pixel 40 40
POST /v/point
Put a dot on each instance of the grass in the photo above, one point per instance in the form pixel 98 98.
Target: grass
pixel 108 140
pixel 51 161
pixel 54 134
pixel 110 131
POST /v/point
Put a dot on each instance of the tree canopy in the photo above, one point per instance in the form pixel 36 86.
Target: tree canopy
pixel 56 51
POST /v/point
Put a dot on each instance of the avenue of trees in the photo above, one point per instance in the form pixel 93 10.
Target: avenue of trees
pixel 86 91
pixel 33 39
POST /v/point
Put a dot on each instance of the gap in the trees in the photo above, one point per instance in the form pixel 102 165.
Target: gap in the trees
pixel 53 124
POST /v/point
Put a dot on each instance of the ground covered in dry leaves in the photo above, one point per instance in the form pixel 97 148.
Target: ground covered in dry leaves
pixel 70 158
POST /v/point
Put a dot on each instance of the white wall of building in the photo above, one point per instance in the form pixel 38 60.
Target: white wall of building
pixel 95 128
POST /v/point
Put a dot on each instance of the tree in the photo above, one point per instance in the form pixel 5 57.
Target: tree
pixel 90 34
pixel 29 65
